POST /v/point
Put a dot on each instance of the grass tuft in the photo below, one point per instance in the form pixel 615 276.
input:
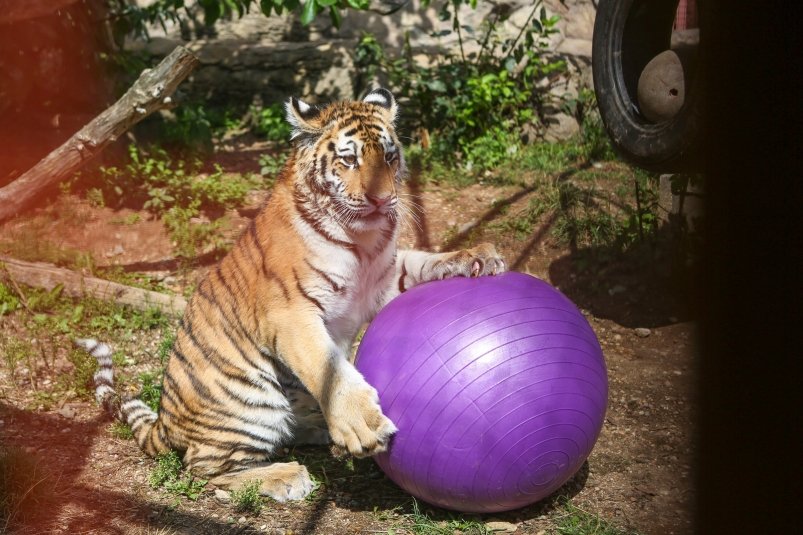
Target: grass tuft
pixel 121 431
pixel 247 498
pixel 422 524
pixel 579 522
pixel 26 488
pixel 169 475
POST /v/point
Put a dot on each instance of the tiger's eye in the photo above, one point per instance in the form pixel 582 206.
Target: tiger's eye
pixel 349 159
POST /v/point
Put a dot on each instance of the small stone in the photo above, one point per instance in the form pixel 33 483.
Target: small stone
pixel 117 251
pixel 242 520
pixel 642 332
pixel 66 412
pixel 222 496
pixel 501 527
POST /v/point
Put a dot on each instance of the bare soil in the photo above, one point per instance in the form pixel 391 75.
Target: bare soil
pixel 638 477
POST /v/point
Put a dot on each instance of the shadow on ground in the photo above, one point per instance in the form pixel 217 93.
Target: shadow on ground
pixel 647 285
pixel 60 500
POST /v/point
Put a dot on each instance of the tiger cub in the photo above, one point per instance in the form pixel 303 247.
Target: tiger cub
pixel 261 357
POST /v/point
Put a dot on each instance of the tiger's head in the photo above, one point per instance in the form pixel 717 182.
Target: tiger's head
pixel 349 158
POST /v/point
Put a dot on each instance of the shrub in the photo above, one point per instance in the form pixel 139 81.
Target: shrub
pixel 475 105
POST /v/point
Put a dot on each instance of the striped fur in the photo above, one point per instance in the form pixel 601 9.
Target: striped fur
pixel 261 355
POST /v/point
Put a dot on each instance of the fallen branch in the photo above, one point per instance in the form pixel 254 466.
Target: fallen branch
pixel 48 276
pixel 149 93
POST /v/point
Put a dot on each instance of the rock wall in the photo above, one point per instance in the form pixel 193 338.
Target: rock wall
pixel 269 58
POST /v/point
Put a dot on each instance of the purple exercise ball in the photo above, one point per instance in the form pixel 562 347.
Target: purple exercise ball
pixel 498 387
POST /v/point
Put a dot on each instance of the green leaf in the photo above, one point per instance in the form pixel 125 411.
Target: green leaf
pixel 212 11
pixel 308 12
pixel 334 15
pixel 326 3
pixel 265 6
pixel 437 85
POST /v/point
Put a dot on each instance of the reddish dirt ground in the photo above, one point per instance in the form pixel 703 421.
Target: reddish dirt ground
pixel 638 477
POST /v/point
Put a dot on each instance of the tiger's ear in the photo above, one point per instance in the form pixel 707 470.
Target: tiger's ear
pixel 302 117
pixel 383 98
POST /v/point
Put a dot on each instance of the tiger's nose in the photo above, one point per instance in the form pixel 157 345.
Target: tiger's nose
pixel 378 201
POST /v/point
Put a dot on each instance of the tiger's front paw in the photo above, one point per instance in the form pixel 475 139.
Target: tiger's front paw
pixel 480 260
pixel 357 425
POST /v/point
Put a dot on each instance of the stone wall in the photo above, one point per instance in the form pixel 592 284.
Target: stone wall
pixel 270 58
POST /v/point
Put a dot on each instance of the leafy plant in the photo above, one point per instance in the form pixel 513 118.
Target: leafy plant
pixel 168 468
pixel 14 351
pixel 473 105
pixel 84 367
pixel 169 475
pixel 269 121
pixel 9 301
pixel 165 346
pixel 121 431
pixel 191 204
pixel 133 19
pixel 151 392
pixel 271 164
pixel 190 127
pixel 247 498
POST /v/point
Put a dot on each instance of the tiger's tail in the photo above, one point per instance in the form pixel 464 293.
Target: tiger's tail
pixel 143 421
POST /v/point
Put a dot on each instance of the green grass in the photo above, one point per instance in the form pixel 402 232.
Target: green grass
pixel 121 431
pixel 422 524
pixel 27 243
pixel 191 204
pixel 168 468
pixel 44 328
pixel 81 380
pixel 247 498
pixel 169 475
pixel 151 392
pixel 9 301
pixel 26 488
pixel 579 522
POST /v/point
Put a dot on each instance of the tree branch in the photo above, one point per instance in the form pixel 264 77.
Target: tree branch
pixel 48 276
pixel 149 93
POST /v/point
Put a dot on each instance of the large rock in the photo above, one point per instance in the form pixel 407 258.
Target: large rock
pixel 232 70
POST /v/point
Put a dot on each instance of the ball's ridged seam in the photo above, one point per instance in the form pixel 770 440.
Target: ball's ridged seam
pixel 498 387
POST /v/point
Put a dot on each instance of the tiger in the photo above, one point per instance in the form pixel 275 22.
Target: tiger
pixel 261 360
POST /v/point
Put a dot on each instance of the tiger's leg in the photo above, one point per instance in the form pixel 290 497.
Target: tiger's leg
pixel 348 403
pixel 416 267
pixel 280 481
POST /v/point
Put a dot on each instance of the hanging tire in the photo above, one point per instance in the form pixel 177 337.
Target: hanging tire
pixel 629 35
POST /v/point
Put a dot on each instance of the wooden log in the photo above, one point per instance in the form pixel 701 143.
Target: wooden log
pixel 48 276
pixel 149 93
